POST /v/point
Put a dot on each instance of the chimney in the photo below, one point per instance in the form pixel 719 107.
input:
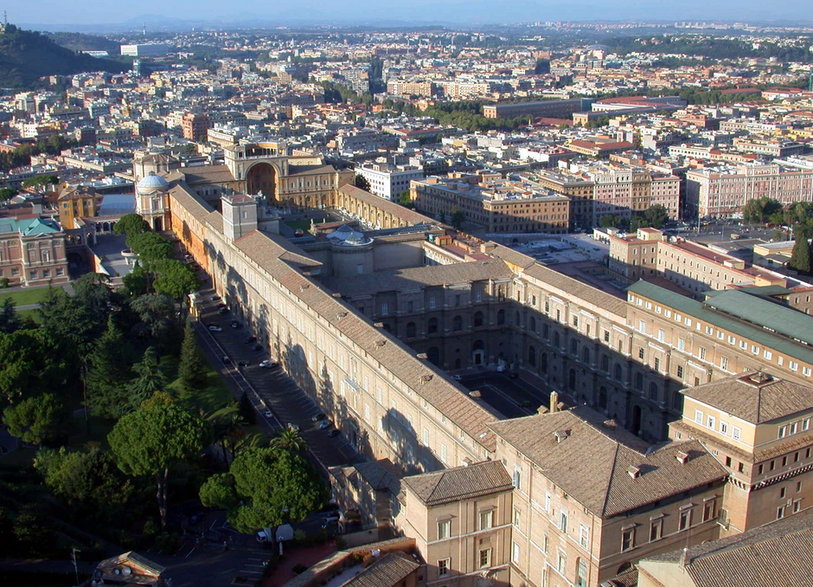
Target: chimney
pixel 554 402
pixel 560 435
pixel 634 472
pixel 682 457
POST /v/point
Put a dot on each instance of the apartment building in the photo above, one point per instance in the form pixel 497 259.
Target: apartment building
pixel 694 267
pixel 411 88
pixel 724 191
pixel 758 427
pixel 497 205
pixel 195 126
pixel 76 202
pixel 389 181
pixel 32 251
pixel 547 108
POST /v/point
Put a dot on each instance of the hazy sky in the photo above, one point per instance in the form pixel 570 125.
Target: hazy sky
pixel 85 12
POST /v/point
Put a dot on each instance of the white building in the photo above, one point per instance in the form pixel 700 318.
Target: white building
pixel 387 181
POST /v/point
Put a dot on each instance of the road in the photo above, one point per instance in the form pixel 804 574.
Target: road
pixel 268 389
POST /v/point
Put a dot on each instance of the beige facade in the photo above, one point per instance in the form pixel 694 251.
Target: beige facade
pixel 723 192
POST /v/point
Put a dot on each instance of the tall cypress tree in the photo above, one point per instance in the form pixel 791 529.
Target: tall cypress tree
pixel 800 257
pixel 191 370
pixel 109 373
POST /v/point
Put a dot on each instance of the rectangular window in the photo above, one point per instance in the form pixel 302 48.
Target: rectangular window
pixel 723 428
pixel 444 529
pixel 698 416
pixel 627 539
pixel 685 520
pixel 517 479
pixel 561 563
pixel 517 517
pixel 783 431
pixel 443 567
pixel 708 510
pixel 563 522
pixel 485 558
pixel 515 552
pixel 735 433
pixel 547 502
pixel 486 519
pixel 710 422
pixel 680 371
pixel 724 363
pixel 584 536
pixel 780 512
pixel 655 529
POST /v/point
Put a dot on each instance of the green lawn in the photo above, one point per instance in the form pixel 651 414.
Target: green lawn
pixel 25 297
pixel 34 314
pixel 210 398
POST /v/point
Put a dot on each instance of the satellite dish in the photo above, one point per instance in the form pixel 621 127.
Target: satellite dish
pixel 126 571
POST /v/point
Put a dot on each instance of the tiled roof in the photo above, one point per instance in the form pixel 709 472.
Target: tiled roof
pixel 207 174
pixel 449 485
pixel 405 214
pixel 590 462
pixel 388 571
pixel 779 553
pixel 571 288
pixel 756 403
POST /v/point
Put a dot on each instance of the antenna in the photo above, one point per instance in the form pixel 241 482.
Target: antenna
pixel 5 18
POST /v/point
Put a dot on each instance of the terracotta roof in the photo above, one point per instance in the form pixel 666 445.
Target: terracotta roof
pixel 779 553
pixel 449 485
pixel 405 214
pixel 207 174
pixel 744 397
pixel 388 571
pixel 591 463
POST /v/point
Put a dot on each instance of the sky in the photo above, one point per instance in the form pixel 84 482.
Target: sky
pixel 64 13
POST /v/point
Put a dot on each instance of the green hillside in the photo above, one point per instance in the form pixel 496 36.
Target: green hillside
pixel 25 56
pixel 83 42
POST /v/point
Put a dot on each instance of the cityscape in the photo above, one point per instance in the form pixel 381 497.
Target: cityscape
pixel 382 295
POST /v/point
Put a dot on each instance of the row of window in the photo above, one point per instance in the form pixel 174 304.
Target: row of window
pixel 629 535
pixel 711 423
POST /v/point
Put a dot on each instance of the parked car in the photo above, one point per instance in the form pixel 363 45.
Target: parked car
pixel 243 363
pixel 214 328
pixel 457 377
pixel 226 360
pixel 235 324
pixel 332 519
pixel 223 311
pixel 268 364
pixel 318 416
pixel 268 414
pixel 325 424
pixel 214 298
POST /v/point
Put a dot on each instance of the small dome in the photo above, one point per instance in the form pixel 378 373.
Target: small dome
pixel 152 182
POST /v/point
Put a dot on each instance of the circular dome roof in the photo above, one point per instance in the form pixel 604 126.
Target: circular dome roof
pixel 152 182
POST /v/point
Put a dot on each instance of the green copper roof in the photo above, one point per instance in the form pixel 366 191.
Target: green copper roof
pixel 28 226
pixel 766 323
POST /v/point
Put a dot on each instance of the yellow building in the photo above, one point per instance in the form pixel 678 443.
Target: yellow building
pixel 77 202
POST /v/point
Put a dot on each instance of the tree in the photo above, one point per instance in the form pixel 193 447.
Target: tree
pixel 405 200
pixel 458 217
pixel 92 291
pixel 174 278
pixel 156 313
pixel 130 225
pixel 109 373
pixel 31 363
pixel 759 210
pixel 265 487
pixel 608 221
pixel 41 181
pixel 149 246
pixel 191 369
pixel 87 477
pixel 288 439
pixel 37 420
pixel 148 380
pixel 361 182
pixel 153 439
pixel 246 410
pixel 9 322
pixel 800 258
pixel 7 194
pixel 656 216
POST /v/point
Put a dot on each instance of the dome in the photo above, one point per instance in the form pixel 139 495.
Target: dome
pixel 152 182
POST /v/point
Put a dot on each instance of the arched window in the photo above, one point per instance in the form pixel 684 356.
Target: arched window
pixel 585 355
pixel 457 323
pixel 531 356
pixel 605 363
pixel 410 329
pixel 478 319
pixel 555 338
pixel 571 379
pixel 574 347
pixel 516 318
pixel 543 363
pixel 639 382
pixel 432 325
pixel 653 391
pixel 532 324
pixel 618 374
pixel 602 398
pixel 501 317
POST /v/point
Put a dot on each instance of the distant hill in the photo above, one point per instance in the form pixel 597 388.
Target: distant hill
pixel 25 56
pixel 82 42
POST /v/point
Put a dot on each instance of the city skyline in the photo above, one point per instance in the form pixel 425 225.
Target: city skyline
pixel 184 13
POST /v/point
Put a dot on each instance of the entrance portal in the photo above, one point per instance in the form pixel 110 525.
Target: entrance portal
pixel 262 177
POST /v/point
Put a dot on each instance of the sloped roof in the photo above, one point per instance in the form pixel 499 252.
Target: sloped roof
pixel 389 571
pixel 449 485
pixel 590 462
pixel 779 553
pixel 756 403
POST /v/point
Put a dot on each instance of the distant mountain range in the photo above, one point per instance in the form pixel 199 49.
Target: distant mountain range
pixel 25 56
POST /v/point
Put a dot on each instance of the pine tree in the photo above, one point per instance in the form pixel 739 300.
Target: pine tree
pixel 191 370
pixel 108 374
pixel 148 380
pixel 800 257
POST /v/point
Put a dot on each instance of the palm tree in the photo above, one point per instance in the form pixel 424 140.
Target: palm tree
pixel 289 439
